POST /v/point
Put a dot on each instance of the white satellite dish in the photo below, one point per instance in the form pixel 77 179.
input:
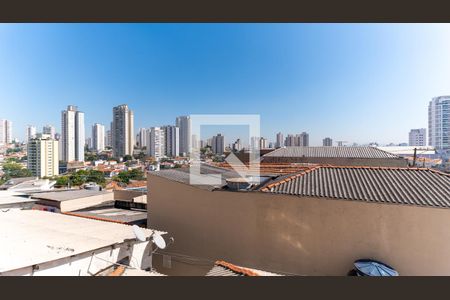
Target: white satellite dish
pixel 139 233
pixel 159 241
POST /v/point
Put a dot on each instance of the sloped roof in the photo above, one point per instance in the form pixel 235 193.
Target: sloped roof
pixel 334 152
pixel 411 186
pixel 222 268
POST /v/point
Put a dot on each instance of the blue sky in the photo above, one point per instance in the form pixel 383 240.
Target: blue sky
pixel 352 82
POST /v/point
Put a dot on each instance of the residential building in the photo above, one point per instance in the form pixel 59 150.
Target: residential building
pixel 122 131
pixel 156 143
pixel 237 145
pixel 327 142
pixel 280 141
pixel 69 245
pixel 303 139
pixel 30 132
pixel 172 140
pixel 50 130
pixel 439 123
pixel 184 125
pixel 108 139
pixel 42 154
pixel 291 223
pixel 142 138
pixel 72 135
pixel 263 143
pixel 290 141
pixel 417 137
pixel 98 137
pixel 338 156
pixel 218 144
pixel 5 132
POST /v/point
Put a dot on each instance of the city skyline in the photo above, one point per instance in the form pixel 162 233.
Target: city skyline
pixel 284 72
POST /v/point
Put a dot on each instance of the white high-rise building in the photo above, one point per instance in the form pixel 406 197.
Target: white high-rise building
pixel 5 132
pixel 30 132
pixel 184 125
pixel 142 138
pixel 156 143
pixel 98 137
pixel 418 137
pixel 172 140
pixel 218 144
pixel 327 142
pixel 122 131
pixel 50 130
pixel 42 154
pixel 439 123
pixel 237 145
pixel 72 134
pixel 290 140
pixel 280 141
pixel 263 143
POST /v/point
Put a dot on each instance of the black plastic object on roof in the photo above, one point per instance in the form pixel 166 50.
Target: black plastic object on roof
pixel 371 267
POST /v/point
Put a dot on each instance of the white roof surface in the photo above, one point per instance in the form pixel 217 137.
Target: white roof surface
pixel 31 237
pixel 9 197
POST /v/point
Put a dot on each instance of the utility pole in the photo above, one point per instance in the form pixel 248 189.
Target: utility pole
pixel 415 157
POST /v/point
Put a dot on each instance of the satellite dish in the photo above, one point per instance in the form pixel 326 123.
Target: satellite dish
pixel 139 233
pixel 159 241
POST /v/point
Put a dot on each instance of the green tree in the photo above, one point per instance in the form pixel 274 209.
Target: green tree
pixel 15 170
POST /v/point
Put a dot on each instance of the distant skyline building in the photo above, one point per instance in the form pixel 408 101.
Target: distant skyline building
pixel 72 134
pixel 30 132
pixel 108 139
pixel 184 125
pixel 418 137
pixel 50 130
pixel 218 144
pixel 98 137
pixel 122 131
pixel 279 141
pixel 263 143
pixel 5 132
pixel 327 142
pixel 304 139
pixel 290 140
pixel 156 143
pixel 42 154
pixel 237 145
pixel 439 123
pixel 142 135
pixel 172 140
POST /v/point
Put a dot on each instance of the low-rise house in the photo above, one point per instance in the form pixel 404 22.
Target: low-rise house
pixel 42 243
pixel 314 222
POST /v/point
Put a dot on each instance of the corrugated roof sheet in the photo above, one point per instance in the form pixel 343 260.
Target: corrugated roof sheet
pixel 335 152
pixel 412 186
pixel 222 268
pixel 182 175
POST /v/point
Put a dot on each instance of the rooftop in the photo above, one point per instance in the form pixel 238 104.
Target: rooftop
pixel 335 152
pixel 65 195
pixel 410 186
pixel 32 237
pixel 182 175
pixel 222 268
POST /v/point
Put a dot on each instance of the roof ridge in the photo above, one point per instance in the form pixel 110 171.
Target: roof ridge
pixel 235 268
pixel 291 177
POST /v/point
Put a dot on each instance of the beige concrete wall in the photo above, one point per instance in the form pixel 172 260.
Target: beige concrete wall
pixel 130 196
pixel 308 236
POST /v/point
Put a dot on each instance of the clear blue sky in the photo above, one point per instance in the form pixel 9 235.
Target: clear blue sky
pixel 353 82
